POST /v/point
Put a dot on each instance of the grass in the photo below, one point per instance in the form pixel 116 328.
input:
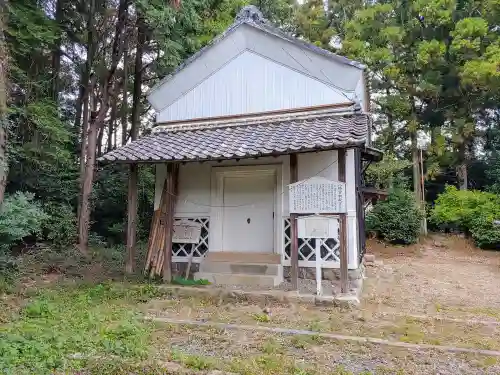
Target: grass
pixel 62 328
pixel 261 317
pixel 189 282
pixel 80 323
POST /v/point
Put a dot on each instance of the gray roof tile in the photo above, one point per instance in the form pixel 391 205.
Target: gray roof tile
pixel 247 137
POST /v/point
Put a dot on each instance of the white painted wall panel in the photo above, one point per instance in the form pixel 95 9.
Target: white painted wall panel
pixel 323 68
pixel 322 164
pixel 195 183
pixel 352 220
pixel 195 186
pixel 248 84
pixel 198 71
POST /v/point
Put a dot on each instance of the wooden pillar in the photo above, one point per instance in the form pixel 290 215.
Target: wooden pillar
pixel 131 217
pixel 344 261
pixel 294 248
pixel 172 186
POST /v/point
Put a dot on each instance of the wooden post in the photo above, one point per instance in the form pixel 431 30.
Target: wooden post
pixel 294 249
pixel 344 262
pixel 131 217
pixel 172 186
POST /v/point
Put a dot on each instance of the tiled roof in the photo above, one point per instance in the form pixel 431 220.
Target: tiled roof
pixel 247 137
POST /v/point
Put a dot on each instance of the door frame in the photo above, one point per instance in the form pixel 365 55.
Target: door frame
pixel 217 198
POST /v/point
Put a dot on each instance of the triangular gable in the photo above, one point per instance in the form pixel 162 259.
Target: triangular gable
pixel 251 83
pixel 247 34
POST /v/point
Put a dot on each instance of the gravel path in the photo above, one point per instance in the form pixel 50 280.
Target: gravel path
pixel 444 277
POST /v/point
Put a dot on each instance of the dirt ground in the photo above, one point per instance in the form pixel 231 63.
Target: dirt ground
pixel 446 275
pixel 441 292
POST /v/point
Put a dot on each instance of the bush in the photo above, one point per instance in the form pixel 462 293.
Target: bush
pixel 60 226
pixel 472 212
pixel 396 219
pixel 20 217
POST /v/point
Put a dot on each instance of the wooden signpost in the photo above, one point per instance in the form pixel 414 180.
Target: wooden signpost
pixel 319 197
pixel 318 227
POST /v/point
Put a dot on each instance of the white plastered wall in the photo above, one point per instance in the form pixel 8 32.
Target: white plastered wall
pixel 195 186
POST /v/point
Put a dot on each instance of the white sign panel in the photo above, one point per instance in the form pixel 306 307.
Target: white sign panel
pixel 317 195
pixel 317 227
pixel 186 232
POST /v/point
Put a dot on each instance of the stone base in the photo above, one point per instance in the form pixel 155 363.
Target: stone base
pixel 179 269
pixel 330 274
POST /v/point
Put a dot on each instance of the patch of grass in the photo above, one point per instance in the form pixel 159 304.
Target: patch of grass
pixel 188 282
pixel 195 362
pixel 270 363
pixel 315 326
pixel 261 317
pixel 304 341
pixel 271 346
pixel 487 311
pixel 341 370
pixel 98 320
pixel 489 361
pixel 383 370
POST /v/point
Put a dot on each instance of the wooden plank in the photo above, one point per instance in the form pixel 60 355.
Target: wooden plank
pixel 294 250
pixel 172 183
pixel 258 114
pixel 155 245
pixel 344 262
pixel 132 217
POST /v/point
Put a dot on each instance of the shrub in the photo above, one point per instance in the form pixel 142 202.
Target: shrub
pixel 396 219
pixel 20 217
pixel 60 226
pixel 470 211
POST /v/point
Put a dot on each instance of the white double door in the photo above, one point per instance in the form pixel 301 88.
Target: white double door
pixel 248 213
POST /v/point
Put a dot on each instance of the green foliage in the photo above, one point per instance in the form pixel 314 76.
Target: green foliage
pixel 387 173
pixel 110 191
pixel 470 211
pixel 59 330
pixel 182 281
pixel 396 219
pixel 9 270
pixel 60 226
pixel 20 216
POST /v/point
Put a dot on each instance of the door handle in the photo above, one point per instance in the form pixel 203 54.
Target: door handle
pixel 248 220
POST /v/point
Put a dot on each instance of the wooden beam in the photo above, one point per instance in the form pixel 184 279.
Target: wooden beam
pixel 257 114
pixel 344 262
pixel 294 250
pixel 172 186
pixel 131 217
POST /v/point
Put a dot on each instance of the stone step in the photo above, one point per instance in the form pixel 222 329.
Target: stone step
pixel 242 268
pixel 240 257
pixel 238 279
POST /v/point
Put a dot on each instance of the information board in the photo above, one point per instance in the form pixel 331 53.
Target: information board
pixel 317 226
pixel 186 232
pixel 317 195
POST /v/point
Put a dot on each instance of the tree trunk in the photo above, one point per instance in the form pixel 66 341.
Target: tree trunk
pixel 138 69
pixel 111 125
pixel 134 132
pixel 100 137
pixel 124 109
pixel 416 168
pixel 87 86
pixel 56 52
pixel 3 102
pixel 97 123
pixel 417 177
pixel 462 176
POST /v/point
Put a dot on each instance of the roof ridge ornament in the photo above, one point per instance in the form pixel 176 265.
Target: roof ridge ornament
pixel 250 13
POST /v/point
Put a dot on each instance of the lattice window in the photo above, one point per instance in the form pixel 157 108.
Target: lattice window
pixel 330 247
pixel 199 249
